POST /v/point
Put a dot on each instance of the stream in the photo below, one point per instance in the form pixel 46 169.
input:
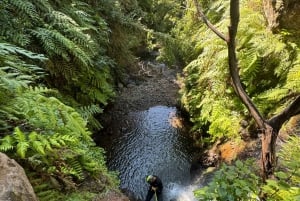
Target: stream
pixel 151 141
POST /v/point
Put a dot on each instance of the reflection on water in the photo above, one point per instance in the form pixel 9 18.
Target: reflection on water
pixel 152 142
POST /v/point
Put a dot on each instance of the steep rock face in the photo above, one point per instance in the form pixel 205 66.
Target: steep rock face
pixel 282 14
pixel 14 184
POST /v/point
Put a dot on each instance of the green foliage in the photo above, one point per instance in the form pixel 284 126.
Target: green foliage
pixel 52 139
pixel 6 49
pixel 48 190
pixel 161 15
pixel 56 56
pixel 80 196
pixel 268 68
pixel 206 95
pixel 286 185
pixel 72 36
pixel 239 182
pixel 88 112
pixel 236 182
pixel 45 191
pixel 60 146
pixel 16 74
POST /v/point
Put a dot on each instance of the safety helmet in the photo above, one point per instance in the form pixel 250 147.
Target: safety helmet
pixel 149 178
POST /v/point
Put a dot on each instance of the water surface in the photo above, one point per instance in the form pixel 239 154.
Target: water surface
pixel 151 142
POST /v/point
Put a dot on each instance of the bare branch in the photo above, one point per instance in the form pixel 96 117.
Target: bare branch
pixel 207 22
pixel 293 109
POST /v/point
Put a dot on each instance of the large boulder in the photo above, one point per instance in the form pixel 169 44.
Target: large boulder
pixel 14 184
pixel 283 14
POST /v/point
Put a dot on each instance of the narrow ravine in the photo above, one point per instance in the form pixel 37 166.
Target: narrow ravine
pixel 145 134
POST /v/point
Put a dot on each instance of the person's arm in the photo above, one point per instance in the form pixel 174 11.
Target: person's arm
pixel 154 188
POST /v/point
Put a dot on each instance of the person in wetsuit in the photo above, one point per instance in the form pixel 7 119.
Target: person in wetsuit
pixel 155 188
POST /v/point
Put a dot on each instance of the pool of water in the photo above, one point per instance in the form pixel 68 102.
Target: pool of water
pixel 153 141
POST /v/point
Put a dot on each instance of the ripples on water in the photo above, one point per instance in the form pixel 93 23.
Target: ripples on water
pixel 151 145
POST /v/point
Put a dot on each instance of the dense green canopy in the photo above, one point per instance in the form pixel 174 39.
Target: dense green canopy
pixel 60 63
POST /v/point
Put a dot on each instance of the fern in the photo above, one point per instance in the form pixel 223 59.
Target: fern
pixel 22 143
pixel 88 113
pixel 37 145
pixel 7 144
pixel 75 168
pixel 6 48
pixel 43 5
pixel 293 76
pixel 268 70
pixel 57 44
pixel 25 7
pixel 291 87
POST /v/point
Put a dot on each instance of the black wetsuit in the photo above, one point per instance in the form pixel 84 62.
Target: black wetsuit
pixel 159 187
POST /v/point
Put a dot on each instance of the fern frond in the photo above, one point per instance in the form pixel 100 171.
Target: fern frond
pixel 19 135
pixel 57 44
pixel 25 7
pixel 55 142
pixel 69 139
pixel 9 48
pixel 9 81
pixel 51 46
pixel 41 90
pixel 7 143
pixel 90 110
pixel 38 146
pixel 22 148
pixel 75 168
pixel 293 77
pixel 58 17
pixel 50 195
pixel 22 142
pixel 275 94
pixel 43 5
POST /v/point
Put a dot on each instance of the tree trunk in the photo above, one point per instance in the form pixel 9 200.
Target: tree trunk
pixel 268 152
pixel 269 129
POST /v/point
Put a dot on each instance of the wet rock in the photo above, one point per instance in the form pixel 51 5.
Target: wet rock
pixel 130 195
pixel 111 196
pixel 244 123
pixel 14 183
pixel 206 160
